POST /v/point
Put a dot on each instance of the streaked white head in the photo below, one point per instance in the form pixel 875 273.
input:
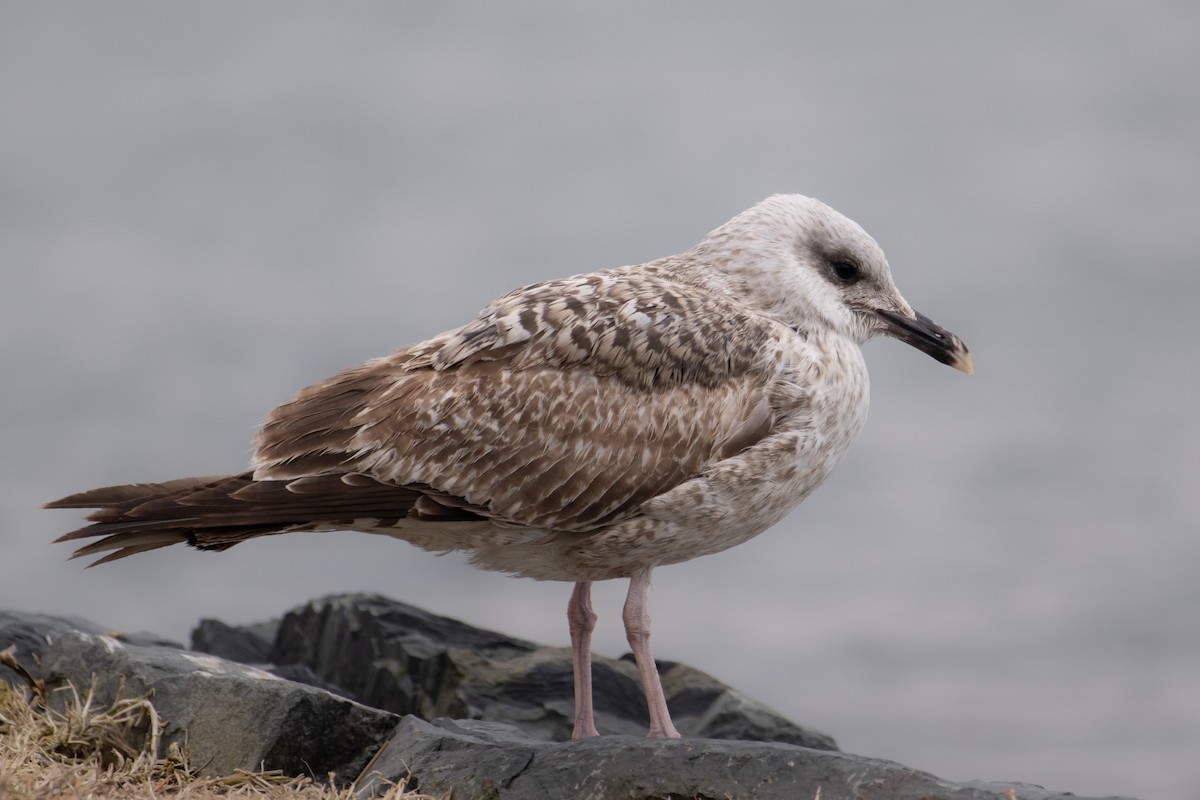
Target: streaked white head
pixel 802 262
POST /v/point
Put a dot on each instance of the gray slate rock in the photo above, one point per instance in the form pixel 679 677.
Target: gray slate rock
pixel 472 759
pixel 230 716
pixel 30 636
pixel 403 659
pixel 233 716
pixel 247 644
pixel 30 631
pixel 251 644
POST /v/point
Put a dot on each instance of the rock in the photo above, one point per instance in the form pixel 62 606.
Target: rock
pixel 29 635
pixel 251 644
pixel 472 759
pixel 230 716
pixel 31 632
pixel 400 658
pixel 248 644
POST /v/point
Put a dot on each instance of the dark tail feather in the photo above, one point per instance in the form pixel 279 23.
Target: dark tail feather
pixel 135 493
pixel 217 512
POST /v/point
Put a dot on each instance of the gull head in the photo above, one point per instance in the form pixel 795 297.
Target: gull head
pixel 812 268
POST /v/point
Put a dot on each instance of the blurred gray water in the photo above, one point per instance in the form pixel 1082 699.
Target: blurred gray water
pixel 204 207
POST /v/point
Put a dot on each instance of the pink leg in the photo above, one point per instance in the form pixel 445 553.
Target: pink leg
pixel 637 630
pixel 582 621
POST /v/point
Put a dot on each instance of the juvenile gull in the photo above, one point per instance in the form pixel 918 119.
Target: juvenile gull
pixel 580 429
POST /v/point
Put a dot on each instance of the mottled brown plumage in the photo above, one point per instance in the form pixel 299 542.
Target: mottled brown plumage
pixel 580 429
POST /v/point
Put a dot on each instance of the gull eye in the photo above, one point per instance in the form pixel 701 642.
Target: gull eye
pixel 846 271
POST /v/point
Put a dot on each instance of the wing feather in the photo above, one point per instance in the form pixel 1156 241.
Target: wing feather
pixel 565 406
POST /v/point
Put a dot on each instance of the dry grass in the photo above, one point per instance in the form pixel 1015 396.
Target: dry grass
pixel 73 750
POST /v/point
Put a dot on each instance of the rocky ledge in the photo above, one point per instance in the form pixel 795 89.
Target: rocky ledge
pixel 364 688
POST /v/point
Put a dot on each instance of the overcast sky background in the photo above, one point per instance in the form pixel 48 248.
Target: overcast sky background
pixel 205 207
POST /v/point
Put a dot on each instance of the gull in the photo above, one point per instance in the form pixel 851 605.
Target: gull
pixel 581 429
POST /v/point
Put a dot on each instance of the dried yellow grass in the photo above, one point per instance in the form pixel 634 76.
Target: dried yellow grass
pixel 75 750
